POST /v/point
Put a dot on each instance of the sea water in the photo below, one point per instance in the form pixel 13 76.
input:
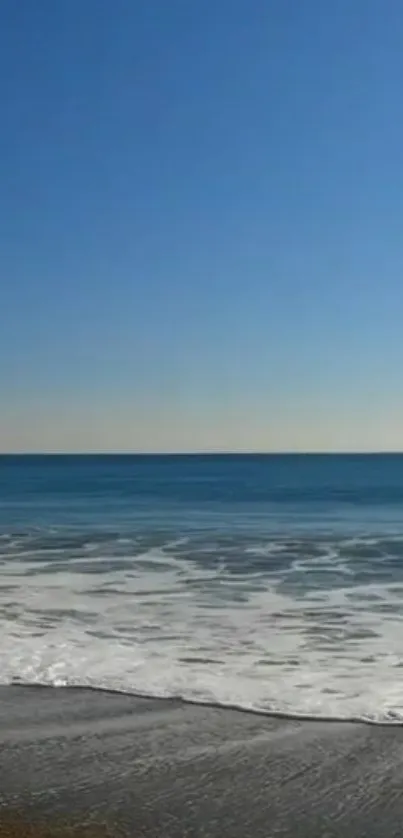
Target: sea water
pixel 270 583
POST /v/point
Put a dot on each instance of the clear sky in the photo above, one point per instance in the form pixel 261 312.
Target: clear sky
pixel 201 225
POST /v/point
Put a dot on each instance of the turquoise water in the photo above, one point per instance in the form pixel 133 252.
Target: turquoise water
pixel 268 582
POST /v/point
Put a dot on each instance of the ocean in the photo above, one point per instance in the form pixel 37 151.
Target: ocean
pixel 273 583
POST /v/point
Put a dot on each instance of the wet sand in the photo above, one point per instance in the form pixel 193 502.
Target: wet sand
pixel 78 760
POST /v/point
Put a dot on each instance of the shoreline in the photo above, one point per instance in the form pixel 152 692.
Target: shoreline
pixel 283 715
pixel 77 759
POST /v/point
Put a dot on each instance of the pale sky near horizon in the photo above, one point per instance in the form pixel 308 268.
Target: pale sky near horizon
pixel 200 225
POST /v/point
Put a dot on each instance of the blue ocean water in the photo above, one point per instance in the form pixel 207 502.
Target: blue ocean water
pixel 269 582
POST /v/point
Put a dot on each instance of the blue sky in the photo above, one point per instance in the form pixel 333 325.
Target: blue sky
pixel 201 213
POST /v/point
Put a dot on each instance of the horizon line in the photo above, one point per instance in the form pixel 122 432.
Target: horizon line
pixel 209 453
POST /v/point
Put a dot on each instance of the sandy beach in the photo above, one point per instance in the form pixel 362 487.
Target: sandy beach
pixel 82 760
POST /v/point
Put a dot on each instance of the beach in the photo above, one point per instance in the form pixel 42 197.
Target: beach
pixel 77 760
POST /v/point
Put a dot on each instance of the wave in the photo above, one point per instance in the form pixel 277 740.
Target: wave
pixel 298 628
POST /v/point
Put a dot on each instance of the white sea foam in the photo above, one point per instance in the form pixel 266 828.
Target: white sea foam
pixel 279 638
